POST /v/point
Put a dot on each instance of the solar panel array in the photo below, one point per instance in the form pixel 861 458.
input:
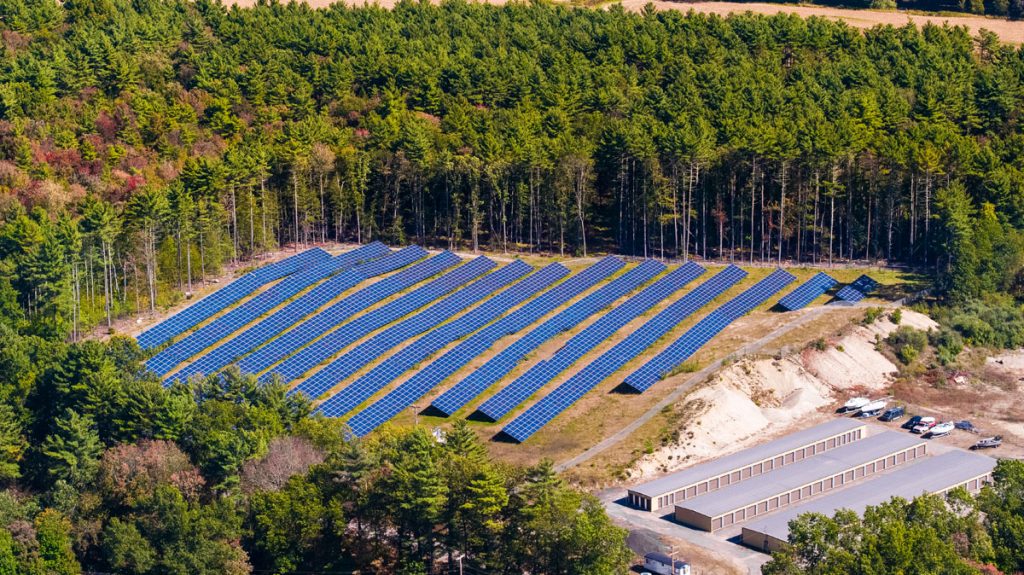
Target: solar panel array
pixel 296 326
pixel 440 369
pixel 695 338
pixel 386 372
pixel 856 291
pixel 329 345
pixel 807 292
pixel 211 333
pixel 430 317
pixel 503 402
pixel 622 353
pixel 209 306
pixel 501 364
pixel 272 325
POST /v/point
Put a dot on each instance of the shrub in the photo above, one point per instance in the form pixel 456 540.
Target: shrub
pixel 896 316
pixel 947 343
pixel 907 343
pixel 871 315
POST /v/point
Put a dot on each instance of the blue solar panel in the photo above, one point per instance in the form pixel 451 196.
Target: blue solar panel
pixel 430 317
pixel 386 372
pixel 684 347
pixel 163 362
pixel 501 364
pixel 617 357
pixel 210 305
pixel 503 402
pixel 267 328
pixel 443 367
pixel 856 291
pixel 324 348
pixel 807 292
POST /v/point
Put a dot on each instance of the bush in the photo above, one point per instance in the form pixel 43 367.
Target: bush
pixel 896 316
pixel 871 315
pixel 907 343
pixel 994 322
pixel 947 343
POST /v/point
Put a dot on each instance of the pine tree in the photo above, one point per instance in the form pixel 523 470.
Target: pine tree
pixel 12 444
pixel 72 451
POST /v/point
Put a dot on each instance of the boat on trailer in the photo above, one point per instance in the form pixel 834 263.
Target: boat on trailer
pixel 941 430
pixel 988 443
pixel 854 404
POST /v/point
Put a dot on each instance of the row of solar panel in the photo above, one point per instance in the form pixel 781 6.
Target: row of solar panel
pixel 272 325
pixel 164 361
pixel 209 306
pixel 821 283
pixel 438 334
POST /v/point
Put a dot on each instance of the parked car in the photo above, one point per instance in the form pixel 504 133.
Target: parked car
pixel 925 425
pixel 893 413
pixel 912 422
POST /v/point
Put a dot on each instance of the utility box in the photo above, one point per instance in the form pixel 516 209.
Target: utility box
pixel 663 564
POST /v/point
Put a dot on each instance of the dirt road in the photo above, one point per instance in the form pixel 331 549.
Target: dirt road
pixel 1011 32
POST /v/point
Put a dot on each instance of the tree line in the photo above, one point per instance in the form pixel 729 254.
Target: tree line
pixel 102 469
pixel 144 145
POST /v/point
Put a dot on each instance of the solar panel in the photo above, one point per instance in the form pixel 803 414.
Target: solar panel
pixel 269 327
pixel 501 364
pixel 324 348
pixel 163 362
pixel 509 397
pixel 807 292
pixel 617 357
pixel 210 305
pixel 433 315
pixel 684 347
pixel 440 369
pixel 386 372
pixel 856 291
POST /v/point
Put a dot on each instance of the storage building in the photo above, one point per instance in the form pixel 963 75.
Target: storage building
pixel 791 484
pixel 937 474
pixel 663 493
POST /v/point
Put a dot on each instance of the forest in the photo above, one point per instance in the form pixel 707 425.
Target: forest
pixel 144 145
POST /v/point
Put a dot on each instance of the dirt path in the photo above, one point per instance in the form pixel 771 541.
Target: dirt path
pixel 1012 32
pixel 697 377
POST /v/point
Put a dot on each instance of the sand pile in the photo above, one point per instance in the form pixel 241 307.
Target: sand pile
pixel 759 397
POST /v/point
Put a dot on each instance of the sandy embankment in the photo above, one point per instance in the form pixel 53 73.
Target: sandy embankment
pixel 765 397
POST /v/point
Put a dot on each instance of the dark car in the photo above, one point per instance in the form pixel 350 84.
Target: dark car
pixel 893 414
pixel 913 421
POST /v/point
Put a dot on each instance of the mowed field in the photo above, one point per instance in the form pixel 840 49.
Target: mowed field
pixel 1008 31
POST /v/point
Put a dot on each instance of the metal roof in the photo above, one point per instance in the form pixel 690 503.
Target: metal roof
pixel 664 559
pixel 741 459
pixel 801 473
pixel 929 475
